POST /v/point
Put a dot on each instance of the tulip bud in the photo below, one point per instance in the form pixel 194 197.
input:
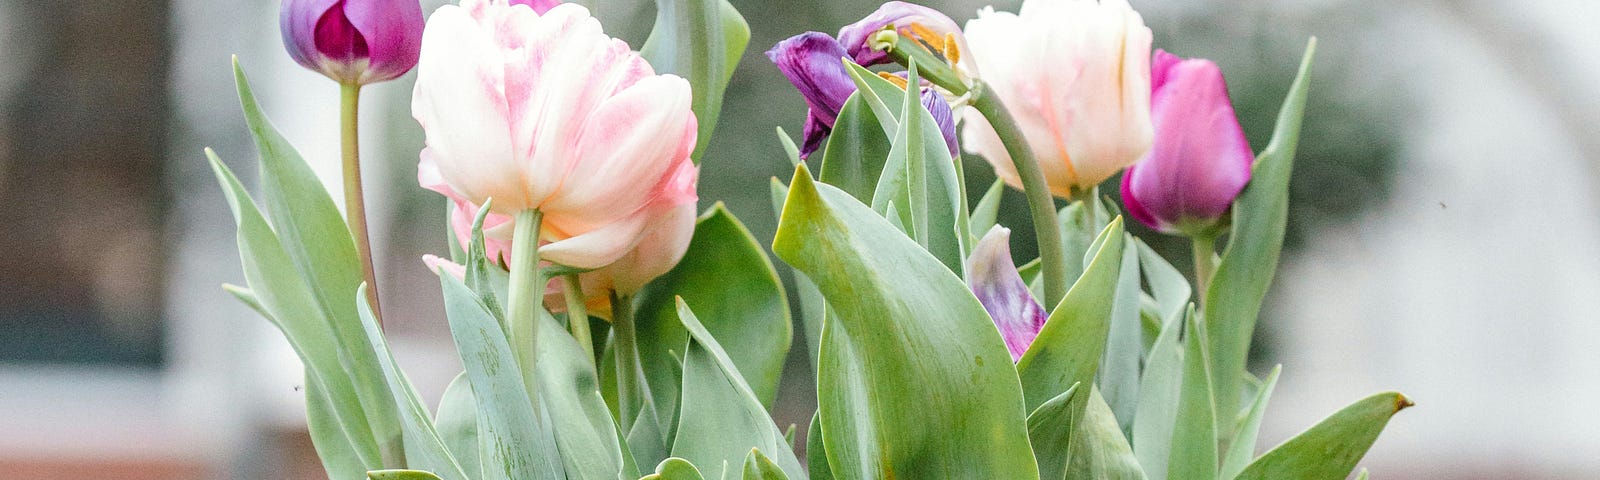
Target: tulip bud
pixel 933 30
pixel 1075 75
pixel 994 279
pixel 353 41
pixel 1200 159
pixel 547 112
pixel 813 62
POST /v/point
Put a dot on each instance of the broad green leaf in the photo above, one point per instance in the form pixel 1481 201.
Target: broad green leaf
pixel 1079 231
pixel 1331 449
pixel 1119 370
pixel 1243 447
pixel 988 209
pixel 813 309
pixel 1050 430
pixel 789 149
pixel 1068 348
pixel 1260 214
pixel 1099 451
pixel 753 323
pixel 401 475
pixel 722 420
pixel 1157 409
pixel 320 247
pixel 675 469
pixel 857 150
pixel 888 407
pixel 584 429
pixel 513 443
pixel 759 467
pixel 339 457
pixel 1194 436
pixel 280 290
pixel 647 440
pixel 920 181
pixel 881 96
pixel 1168 286
pixel 423 447
pixel 700 40
pixel 457 422
pixel 816 452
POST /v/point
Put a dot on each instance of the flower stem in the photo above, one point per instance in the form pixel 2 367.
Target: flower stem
pixel 577 313
pixel 1205 249
pixel 627 350
pixel 355 204
pixel 1040 204
pixel 526 292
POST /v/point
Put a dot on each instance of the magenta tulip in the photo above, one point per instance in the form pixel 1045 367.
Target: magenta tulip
pixel 353 41
pixel 814 63
pixel 1200 160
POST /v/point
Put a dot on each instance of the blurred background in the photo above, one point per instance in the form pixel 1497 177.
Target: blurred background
pixel 1444 240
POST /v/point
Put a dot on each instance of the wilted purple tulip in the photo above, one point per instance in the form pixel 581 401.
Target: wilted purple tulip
pixel 999 287
pixel 1200 159
pixel 813 62
pixel 353 41
pixel 924 25
pixel 943 117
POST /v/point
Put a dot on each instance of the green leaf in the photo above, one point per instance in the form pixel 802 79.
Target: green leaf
pixel 647 440
pixel 988 208
pixel 857 150
pixel 320 247
pixel 338 455
pixel 1194 436
pixel 889 408
pixel 1243 446
pixel 675 469
pixel 1079 232
pixel 813 309
pixel 1168 286
pixel 1099 451
pixel 722 419
pixel 423 447
pixel 512 441
pixel 920 181
pixel 759 467
pixel 279 289
pixel 1068 348
pixel 1050 430
pixel 584 430
pixel 1119 370
pixel 816 452
pixel 1260 215
pixel 457 422
pixel 1157 409
pixel 1331 449
pixel 700 40
pixel 401 475
pixel 1362 475
pixel 881 96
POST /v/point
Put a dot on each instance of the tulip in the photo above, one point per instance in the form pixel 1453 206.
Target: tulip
pixel 929 27
pixel 813 62
pixel 1200 159
pixel 943 118
pixel 994 279
pixel 353 41
pixel 1075 76
pixel 538 6
pixel 546 112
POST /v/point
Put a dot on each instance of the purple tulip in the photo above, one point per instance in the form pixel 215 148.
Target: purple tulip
pixel 943 117
pixel 999 287
pixel 1200 160
pixel 353 41
pixel 920 23
pixel 813 62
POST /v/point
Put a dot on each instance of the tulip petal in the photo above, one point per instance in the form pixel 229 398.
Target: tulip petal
pixel 392 31
pixel 999 287
pixel 900 16
pixel 460 104
pixel 298 24
pixel 812 62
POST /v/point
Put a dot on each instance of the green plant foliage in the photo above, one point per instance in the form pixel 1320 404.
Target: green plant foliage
pixel 457 423
pixel 1157 409
pixel 1194 436
pixel 423 448
pixel 1329 450
pixel 816 452
pixel 401 475
pixel 1099 450
pixel 722 420
pixel 1243 445
pixel 919 181
pixel 675 469
pixel 1050 430
pixel 1068 348
pixel 890 408
pixel 1251 258
pixel 759 467
pixel 700 40
pixel 1119 370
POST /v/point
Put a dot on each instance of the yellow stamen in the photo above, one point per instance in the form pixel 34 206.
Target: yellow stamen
pixel 951 50
pixel 895 79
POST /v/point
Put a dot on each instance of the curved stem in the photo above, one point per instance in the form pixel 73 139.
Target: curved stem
pixel 625 344
pixel 1205 251
pixel 577 313
pixel 1041 205
pixel 526 292
pixel 355 205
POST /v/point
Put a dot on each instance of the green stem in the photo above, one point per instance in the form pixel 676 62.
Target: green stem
pixel 625 343
pixel 526 292
pixel 1041 205
pixel 577 313
pixel 1205 250
pixel 1091 208
pixel 355 204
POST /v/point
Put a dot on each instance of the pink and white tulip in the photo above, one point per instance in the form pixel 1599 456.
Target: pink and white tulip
pixel 544 111
pixel 1075 75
